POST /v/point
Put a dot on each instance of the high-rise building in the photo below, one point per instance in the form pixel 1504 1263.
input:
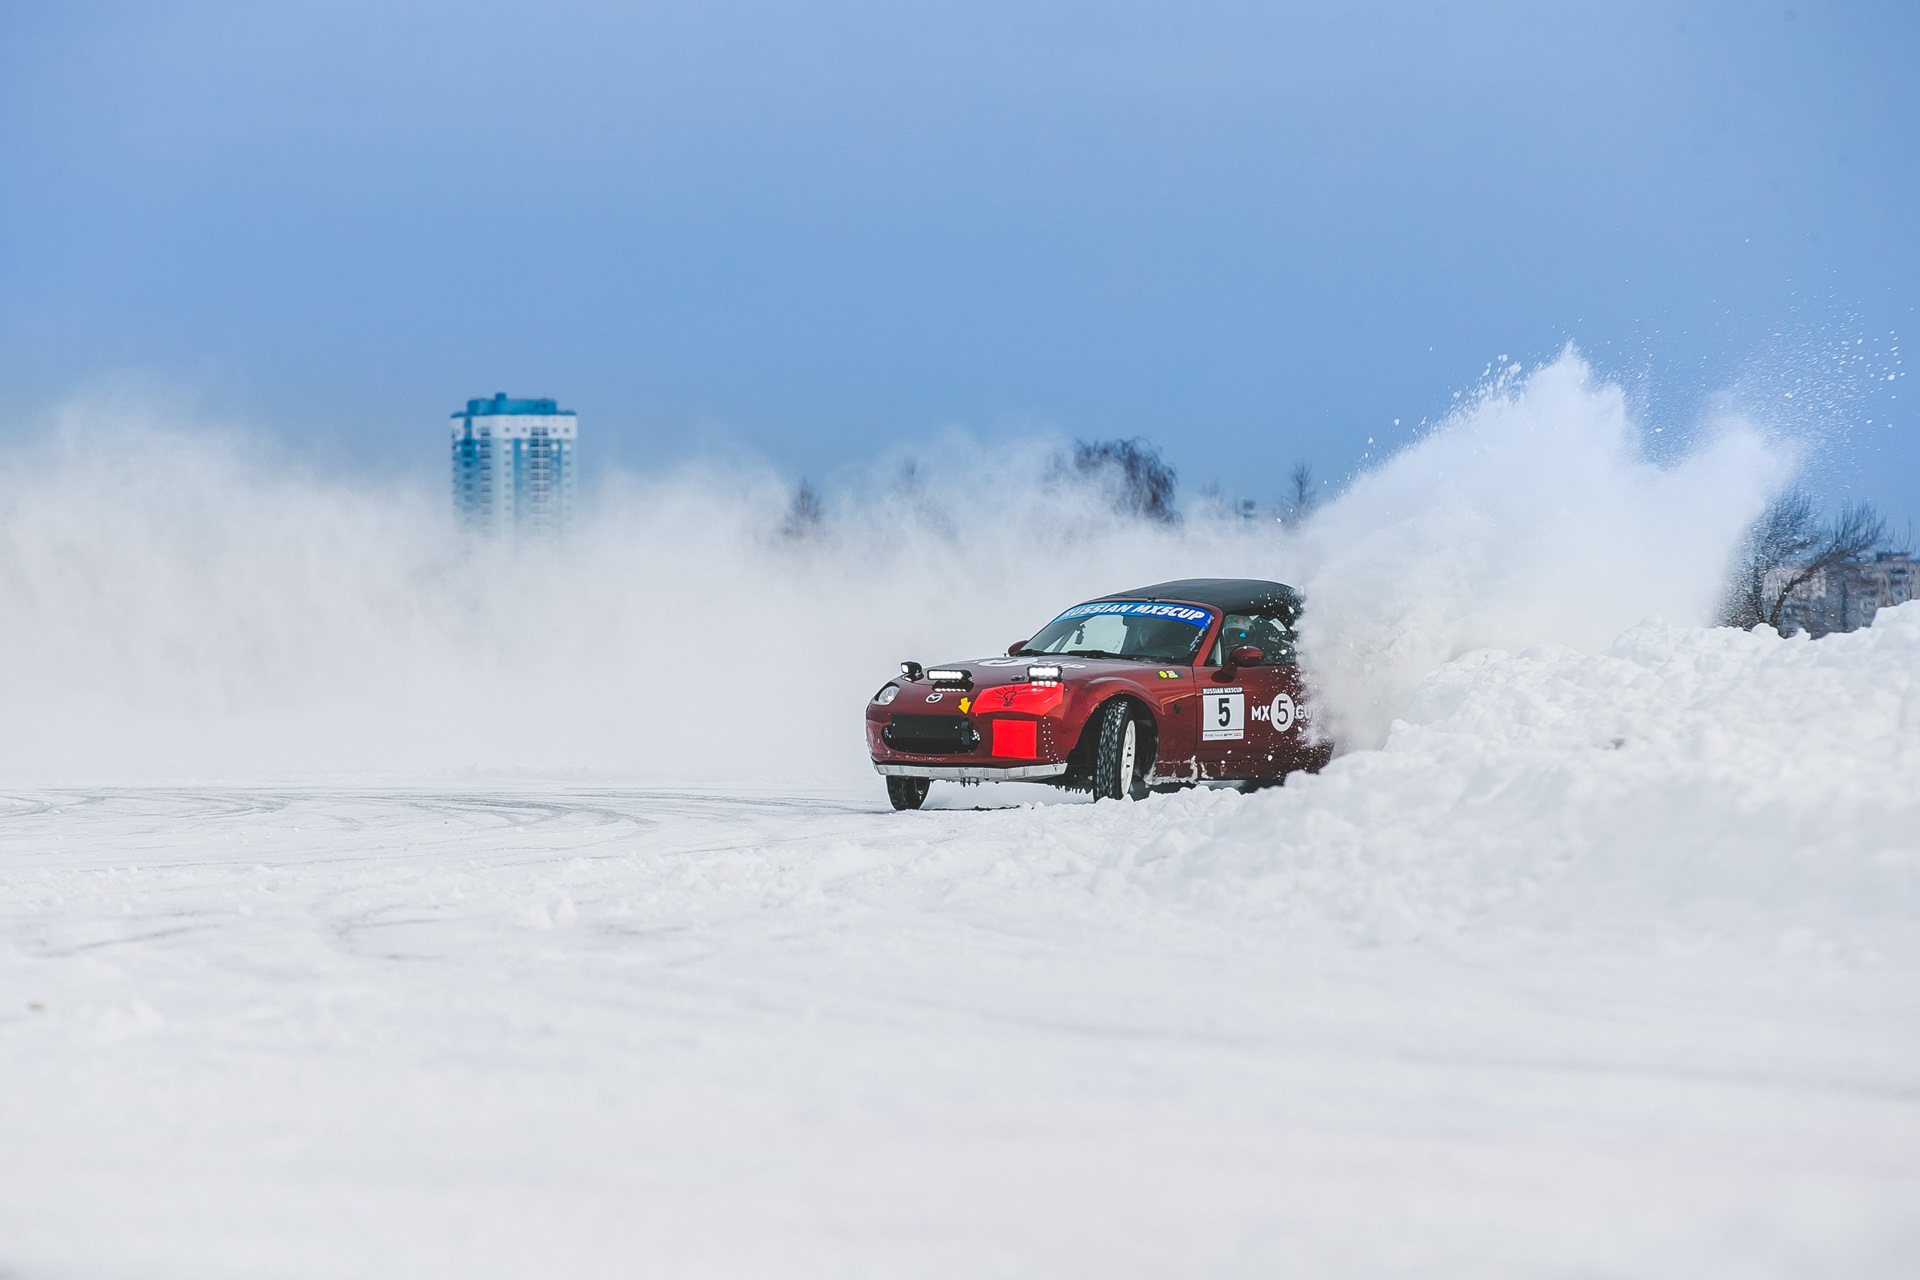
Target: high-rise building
pixel 513 466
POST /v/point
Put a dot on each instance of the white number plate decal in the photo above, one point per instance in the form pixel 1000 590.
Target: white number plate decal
pixel 1223 715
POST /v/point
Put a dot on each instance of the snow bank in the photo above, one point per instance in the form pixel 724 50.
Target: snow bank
pixel 1686 782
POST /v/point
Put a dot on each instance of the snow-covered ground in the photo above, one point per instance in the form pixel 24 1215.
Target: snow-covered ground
pixel 1606 965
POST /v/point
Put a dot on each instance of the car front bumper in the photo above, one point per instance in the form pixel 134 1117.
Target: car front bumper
pixel 970 772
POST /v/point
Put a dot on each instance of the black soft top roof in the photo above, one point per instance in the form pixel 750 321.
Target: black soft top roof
pixel 1229 595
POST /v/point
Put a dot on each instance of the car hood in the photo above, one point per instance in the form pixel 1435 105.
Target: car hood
pixel 988 672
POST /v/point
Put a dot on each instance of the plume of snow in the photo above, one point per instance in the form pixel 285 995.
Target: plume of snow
pixel 1532 515
pixel 177 605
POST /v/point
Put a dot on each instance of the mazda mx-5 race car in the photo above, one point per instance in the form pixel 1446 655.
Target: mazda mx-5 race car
pixel 1169 685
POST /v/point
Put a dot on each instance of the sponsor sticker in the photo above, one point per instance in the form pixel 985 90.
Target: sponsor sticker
pixel 1193 617
pixel 1223 715
pixel 1279 713
pixel 1028 699
pixel 1169 675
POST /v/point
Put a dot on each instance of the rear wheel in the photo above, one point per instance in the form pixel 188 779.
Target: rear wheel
pixel 907 793
pixel 1120 765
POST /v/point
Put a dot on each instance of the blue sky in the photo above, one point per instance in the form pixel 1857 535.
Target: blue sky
pixel 1251 233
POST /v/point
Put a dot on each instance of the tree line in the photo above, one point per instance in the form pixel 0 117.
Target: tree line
pixel 1141 483
pixel 1788 547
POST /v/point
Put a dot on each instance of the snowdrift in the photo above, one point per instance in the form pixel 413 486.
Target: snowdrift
pixel 1687 782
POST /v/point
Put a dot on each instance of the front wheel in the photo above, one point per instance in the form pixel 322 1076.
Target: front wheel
pixel 1119 765
pixel 907 793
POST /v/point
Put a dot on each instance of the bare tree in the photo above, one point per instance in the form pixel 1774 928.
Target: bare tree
pixel 1144 483
pixel 1787 547
pixel 1303 498
pixel 804 514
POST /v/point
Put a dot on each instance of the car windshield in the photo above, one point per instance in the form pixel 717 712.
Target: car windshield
pixel 1146 629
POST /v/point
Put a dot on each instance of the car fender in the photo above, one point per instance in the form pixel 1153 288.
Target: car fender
pixel 1094 697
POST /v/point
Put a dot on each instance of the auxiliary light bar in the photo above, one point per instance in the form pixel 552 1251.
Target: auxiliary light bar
pixel 1044 674
pixel 944 675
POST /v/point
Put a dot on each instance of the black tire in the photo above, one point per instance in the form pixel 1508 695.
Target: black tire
pixel 907 793
pixel 1121 755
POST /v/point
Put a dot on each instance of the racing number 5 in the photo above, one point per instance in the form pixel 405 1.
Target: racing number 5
pixel 1228 712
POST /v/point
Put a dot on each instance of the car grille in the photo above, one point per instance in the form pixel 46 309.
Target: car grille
pixel 931 735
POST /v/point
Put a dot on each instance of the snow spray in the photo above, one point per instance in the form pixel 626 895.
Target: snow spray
pixel 178 606
pixel 1530 516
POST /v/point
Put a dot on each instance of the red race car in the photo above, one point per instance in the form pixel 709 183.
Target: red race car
pixel 1170 685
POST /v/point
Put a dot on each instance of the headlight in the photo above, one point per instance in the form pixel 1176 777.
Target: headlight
pixel 1045 673
pixel 887 694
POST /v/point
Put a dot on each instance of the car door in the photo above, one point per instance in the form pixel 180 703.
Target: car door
pixel 1249 716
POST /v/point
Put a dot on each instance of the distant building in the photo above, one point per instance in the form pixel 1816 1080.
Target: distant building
pixel 513 466
pixel 1846 598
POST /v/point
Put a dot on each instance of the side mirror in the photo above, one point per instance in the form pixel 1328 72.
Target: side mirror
pixel 1247 655
pixel 1016 647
